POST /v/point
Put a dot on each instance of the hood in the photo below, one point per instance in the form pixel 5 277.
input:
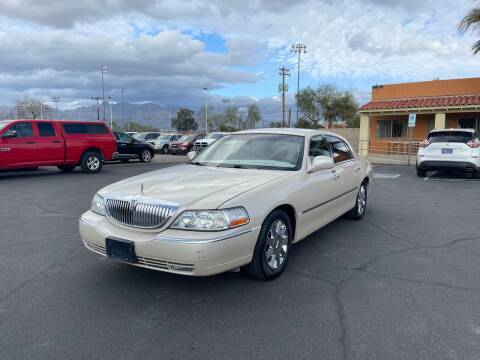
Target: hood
pixel 192 186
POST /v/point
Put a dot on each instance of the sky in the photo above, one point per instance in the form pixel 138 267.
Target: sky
pixel 167 51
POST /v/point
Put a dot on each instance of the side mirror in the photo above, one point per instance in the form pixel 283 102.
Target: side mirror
pixel 191 155
pixel 9 134
pixel 321 163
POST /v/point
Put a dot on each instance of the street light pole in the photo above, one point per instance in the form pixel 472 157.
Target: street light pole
pixel 103 70
pixel 206 109
pixel 56 100
pixel 111 113
pixel 297 49
pixel 123 105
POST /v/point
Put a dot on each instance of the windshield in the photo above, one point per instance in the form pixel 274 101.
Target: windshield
pixel 450 136
pixel 187 138
pixel 254 151
pixel 3 124
pixel 140 136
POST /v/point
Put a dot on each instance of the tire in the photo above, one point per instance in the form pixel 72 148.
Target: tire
pixel 360 208
pixel 66 168
pixel 146 156
pixel 273 247
pixel 164 150
pixel 421 172
pixel 92 162
pixel 124 160
pixel 476 174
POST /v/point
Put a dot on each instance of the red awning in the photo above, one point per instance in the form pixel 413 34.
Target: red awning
pixel 424 102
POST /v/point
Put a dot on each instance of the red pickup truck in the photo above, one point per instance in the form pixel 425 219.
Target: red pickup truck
pixel 28 144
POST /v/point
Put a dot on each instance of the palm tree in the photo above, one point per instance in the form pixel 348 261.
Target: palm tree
pixel 471 20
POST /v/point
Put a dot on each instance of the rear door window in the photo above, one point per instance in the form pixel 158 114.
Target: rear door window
pixel 45 129
pixel 450 136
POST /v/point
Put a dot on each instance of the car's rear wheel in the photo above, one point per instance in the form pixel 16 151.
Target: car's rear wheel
pixel 273 246
pixel 124 160
pixel 146 156
pixel 360 205
pixel 92 162
pixel 421 172
pixel 66 168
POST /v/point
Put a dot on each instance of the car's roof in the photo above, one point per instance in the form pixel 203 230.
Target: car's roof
pixel 452 129
pixel 288 131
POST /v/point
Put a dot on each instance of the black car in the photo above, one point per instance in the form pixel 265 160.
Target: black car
pixel 130 148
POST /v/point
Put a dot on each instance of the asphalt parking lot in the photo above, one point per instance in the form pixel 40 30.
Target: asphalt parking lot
pixel 403 283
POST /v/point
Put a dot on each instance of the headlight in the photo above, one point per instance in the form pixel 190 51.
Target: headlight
pixel 211 220
pixel 98 205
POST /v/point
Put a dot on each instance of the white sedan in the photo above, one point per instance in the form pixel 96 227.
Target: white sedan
pixel 242 202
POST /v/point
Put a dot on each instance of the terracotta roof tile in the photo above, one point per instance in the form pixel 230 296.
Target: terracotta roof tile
pixel 427 102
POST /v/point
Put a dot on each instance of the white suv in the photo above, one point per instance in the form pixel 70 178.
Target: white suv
pixel 449 149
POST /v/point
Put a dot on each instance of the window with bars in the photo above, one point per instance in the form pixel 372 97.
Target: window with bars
pixel 391 129
pixel 472 123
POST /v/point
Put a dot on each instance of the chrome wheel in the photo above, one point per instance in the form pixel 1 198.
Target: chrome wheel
pixel 276 249
pixel 361 200
pixel 93 163
pixel 146 156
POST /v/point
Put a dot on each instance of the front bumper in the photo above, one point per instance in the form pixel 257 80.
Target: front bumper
pixel 178 150
pixel 181 252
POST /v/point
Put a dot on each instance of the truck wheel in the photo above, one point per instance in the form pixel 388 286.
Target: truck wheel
pixel 146 156
pixel 66 168
pixel 92 162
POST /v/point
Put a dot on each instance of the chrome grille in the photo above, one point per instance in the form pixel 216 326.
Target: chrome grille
pixel 136 213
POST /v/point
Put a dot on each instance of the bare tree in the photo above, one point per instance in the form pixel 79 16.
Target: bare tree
pixel 28 108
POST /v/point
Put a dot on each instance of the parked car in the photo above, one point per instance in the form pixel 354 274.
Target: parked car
pixel 243 201
pixel 28 144
pixel 184 144
pixel 207 140
pixel 131 148
pixel 449 149
pixel 149 137
pixel 162 143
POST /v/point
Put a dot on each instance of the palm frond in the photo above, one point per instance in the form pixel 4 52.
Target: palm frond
pixel 476 47
pixel 471 20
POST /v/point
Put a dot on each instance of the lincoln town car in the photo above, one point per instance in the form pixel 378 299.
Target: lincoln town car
pixel 239 204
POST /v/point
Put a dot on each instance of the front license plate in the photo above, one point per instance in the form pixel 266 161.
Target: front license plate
pixel 119 249
pixel 447 151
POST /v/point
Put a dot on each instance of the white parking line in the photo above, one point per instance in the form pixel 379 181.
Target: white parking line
pixel 385 176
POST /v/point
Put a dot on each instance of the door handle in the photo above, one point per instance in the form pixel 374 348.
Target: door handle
pixel 56 142
pixel 336 175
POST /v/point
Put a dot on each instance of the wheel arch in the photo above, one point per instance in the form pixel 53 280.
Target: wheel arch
pixel 92 149
pixel 291 213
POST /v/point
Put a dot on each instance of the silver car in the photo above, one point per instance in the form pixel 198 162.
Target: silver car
pixel 162 143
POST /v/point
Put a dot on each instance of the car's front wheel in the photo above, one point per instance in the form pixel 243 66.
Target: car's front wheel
pixel 273 246
pixel 165 149
pixel 360 205
pixel 146 156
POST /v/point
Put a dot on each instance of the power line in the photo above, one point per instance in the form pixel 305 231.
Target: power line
pixel 298 49
pixel 283 87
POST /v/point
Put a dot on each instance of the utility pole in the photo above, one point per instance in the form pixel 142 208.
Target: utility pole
pixel 298 49
pixel 123 105
pixel 206 109
pixel 289 118
pixel 111 114
pixel 98 106
pixel 56 100
pixel 283 88
pixel 41 111
pixel 103 70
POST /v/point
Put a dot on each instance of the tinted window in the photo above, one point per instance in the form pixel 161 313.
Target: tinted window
pixel 341 151
pixel 123 137
pixel 85 129
pixel 318 147
pixel 45 129
pixel 23 129
pixel 450 136
pixel 152 136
